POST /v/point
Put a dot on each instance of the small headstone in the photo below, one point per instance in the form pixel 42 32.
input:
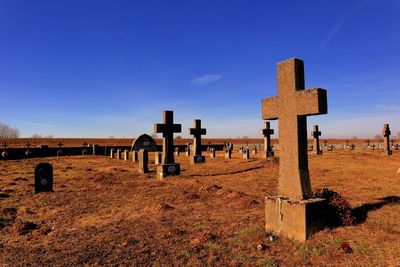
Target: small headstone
pixel 177 151
pixel 157 158
pixel 43 178
pixel 126 155
pixel 59 152
pixel 95 148
pixel 254 149
pixel 228 153
pixel 135 156
pixel 84 152
pixel 112 153
pixel 143 156
pixel 212 153
pixel 187 149
pixel 119 153
pixel 246 153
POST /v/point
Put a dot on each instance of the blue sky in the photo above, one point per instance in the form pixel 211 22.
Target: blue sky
pixel 109 68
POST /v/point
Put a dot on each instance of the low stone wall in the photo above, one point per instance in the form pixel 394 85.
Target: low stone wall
pixel 44 151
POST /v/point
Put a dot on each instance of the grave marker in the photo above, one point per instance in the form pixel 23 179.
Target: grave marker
pixel 126 154
pixel 168 128
pixel 246 153
pixel 212 153
pixel 119 154
pixel 4 154
pixel 177 153
pixel 157 158
pixel 293 212
pixel 197 132
pixel 135 156
pixel 267 132
pixel 386 133
pixel 112 153
pixel 143 156
pixel 316 134
pixel 43 178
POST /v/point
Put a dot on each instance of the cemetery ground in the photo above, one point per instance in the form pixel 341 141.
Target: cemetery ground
pixel 103 212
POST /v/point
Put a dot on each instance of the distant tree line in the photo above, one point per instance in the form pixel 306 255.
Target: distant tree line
pixel 7 132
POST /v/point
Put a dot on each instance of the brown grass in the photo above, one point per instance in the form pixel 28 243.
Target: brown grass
pixel 105 213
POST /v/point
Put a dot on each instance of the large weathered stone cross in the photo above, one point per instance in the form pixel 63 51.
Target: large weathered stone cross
pixel 292 106
pixel 168 128
pixel 267 132
pixel 197 132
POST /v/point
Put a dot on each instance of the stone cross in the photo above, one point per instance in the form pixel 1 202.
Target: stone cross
pixel 386 133
pixel 197 132
pixel 60 144
pixel 168 128
pixel 292 106
pixel 143 156
pixel 368 143
pixel 347 143
pixel 84 144
pixel 43 178
pixel 392 142
pixel 267 132
pixel 316 134
pixel 28 145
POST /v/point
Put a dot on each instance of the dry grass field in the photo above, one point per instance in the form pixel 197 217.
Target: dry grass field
pixel 104 213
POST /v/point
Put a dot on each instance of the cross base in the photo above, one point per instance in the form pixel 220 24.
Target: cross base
pixel 295 219
pixel 318 152
pixel 388 153
pixel 269 154
pixel 197 159
pixel 164 170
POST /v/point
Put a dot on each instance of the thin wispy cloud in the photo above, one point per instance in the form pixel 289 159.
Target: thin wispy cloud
pixel 206 79
pixel 335 29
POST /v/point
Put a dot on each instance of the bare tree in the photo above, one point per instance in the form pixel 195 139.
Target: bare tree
pixel 7 132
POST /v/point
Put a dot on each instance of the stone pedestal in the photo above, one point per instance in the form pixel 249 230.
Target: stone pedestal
pixel 197 159
pixel 164 170
pixel 296 219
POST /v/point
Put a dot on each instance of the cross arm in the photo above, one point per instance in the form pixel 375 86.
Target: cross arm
pixel 159 128
pixel 194 131
pixel 270 108
pixel 312 102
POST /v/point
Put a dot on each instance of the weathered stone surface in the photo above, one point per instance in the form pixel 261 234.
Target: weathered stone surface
pixel 296 219
pixel 386 133
pixel 112 153
pixel 119 153
pixel 292 106
pixel 228 153
pixel 197 132
pixel 293 213
pixel 143 156
pixel 126 155
pixel 144 141
pixel 316 134
pixel 168 128
pixel 43 178
pixel 177 152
